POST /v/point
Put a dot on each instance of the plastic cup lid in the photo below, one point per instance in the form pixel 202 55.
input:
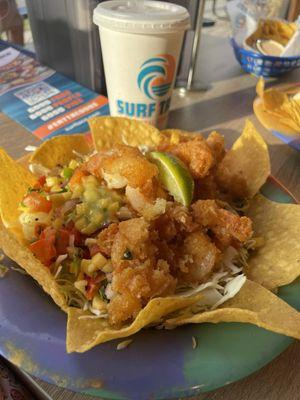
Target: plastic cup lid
pixel 141 16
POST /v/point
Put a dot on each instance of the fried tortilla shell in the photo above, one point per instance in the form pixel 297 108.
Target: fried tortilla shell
pixel 18 252
pixel 14 182
pixel 277 262
pixel 247 160
pixel 253 304
pixel 60 150
pixel 109 131
pixel 84 332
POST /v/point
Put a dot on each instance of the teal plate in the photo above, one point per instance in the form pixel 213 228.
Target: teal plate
pixel 157 365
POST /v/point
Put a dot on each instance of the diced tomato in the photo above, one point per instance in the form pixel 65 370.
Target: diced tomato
pixel 44 250
pixel 60 238
pixel 62 241
pixel 79 238
pixel 40 182
pixel 37 203
pixel 93 285
pixel 77 177
pixel 94 249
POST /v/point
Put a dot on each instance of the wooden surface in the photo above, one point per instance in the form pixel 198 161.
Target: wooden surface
pixel 225 107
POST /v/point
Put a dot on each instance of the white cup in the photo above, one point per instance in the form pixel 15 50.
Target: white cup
pixel 141 43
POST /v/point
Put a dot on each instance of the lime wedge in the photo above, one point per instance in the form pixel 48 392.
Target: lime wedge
pixel 174 176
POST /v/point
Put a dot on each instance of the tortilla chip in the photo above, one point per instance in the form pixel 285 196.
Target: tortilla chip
pixel 291 114
pixel 277 262
pixel 14 183
pixel 248 159
pixel 85 333
pixel 18 252
pixel 271 121
pixel 109 131
pixel 260 87
pixel 272 29
pixel 255 305
pixel 273 99
pixel 277 109
pixel 59 150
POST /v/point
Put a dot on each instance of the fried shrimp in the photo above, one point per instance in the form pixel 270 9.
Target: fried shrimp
pixel 121 166
pixel 216 143
pixel 176 220
pixel 199 255
pixel 228 229
pixel 138 273
pixel 195 153
pixel 106 238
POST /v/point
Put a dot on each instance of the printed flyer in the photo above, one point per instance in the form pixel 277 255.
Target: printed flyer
pixel 45 102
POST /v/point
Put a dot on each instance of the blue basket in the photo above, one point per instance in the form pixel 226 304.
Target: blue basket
pixel 261 65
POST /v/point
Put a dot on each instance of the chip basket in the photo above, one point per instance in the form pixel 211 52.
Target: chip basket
pixel 261 65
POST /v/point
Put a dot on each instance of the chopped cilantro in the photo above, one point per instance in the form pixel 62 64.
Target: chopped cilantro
pixel 102 291
pixel 63 190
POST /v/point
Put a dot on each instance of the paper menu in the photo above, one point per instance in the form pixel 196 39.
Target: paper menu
pixel 45 102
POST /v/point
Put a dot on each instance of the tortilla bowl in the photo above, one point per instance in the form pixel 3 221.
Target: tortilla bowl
pixel 253 303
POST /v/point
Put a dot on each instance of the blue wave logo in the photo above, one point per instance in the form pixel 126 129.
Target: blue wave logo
pixel 156 76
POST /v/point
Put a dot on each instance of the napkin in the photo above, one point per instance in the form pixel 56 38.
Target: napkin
pixel 293 46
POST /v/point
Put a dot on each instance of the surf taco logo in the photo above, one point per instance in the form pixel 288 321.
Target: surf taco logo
pixel 156 76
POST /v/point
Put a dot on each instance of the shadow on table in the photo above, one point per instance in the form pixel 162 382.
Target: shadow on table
pixel 216 61
pixel 200 115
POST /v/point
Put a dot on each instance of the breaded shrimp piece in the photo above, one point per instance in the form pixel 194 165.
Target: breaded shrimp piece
pixel 216 143
pixel 135 286
pixel 106 238
pixel 196 155
pixel 227 228
pixel 138 275
pixel 133 236
pixel 198 257
pixel 174 221
pixel 121 166
pixel 148 208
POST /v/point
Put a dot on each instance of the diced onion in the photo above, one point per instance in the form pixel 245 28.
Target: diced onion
pixel 60 259
pixel 58 271
pixel 38 169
